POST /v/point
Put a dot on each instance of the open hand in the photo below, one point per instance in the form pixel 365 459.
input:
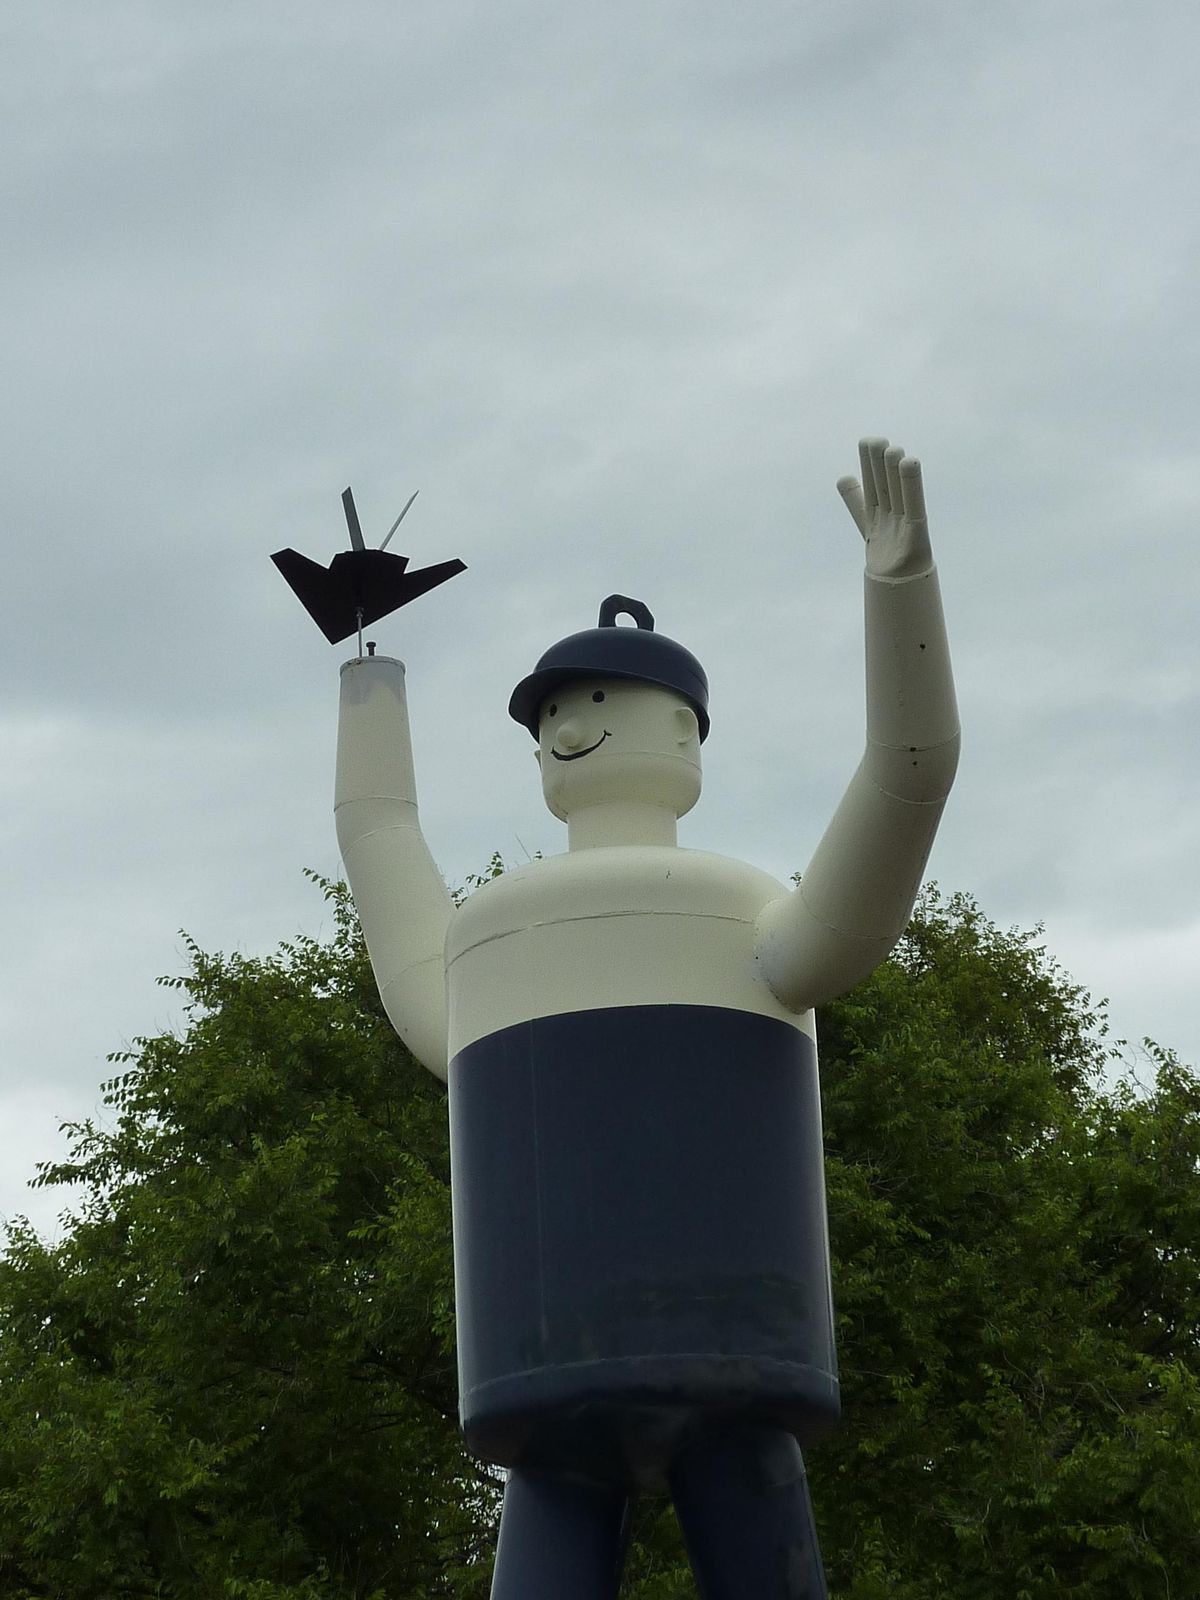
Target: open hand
pixel 888 508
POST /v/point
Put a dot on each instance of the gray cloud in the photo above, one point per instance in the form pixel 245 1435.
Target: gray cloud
pixel 618 291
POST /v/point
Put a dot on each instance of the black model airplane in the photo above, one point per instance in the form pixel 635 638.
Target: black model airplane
pixel 359 585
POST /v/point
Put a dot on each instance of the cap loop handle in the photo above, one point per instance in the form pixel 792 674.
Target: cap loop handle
pixel 621 605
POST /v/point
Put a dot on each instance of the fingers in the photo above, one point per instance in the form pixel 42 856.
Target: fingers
pixel 912 489
pixel 890 480
pixel 892 458
pixel 851 492
pixel 870 486
pixel 876 453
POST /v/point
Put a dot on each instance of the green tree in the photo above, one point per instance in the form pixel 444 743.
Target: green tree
pixel 234 1375
pixel 1017 1273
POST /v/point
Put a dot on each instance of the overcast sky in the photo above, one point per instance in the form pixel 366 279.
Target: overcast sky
pixel 618 288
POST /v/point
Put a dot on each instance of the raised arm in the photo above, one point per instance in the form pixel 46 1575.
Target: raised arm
pixel 402 902
pixel 857 894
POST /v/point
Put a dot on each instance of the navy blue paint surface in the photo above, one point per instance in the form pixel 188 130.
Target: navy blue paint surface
pixel 636 655
pixel 639 1233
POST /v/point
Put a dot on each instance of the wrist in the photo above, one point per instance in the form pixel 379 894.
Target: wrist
pixel 927 568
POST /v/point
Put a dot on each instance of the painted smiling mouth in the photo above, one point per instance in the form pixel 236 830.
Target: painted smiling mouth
pixel 587 752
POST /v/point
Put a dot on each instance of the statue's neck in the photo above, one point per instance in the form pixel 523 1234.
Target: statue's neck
pixel 621 822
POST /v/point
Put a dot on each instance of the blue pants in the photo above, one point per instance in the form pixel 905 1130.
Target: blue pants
pixel 743 1504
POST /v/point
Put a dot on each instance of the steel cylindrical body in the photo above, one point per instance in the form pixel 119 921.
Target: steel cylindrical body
pixel 640 1237
pixel 639 1220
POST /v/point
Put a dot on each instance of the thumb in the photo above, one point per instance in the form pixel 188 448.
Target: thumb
pixel 851 492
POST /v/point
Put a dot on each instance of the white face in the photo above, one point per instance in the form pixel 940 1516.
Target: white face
pixel 602 740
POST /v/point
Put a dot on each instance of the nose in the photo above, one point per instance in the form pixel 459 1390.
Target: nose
pixel 569 735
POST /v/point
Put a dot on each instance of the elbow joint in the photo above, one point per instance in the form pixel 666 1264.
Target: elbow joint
pixel 922 775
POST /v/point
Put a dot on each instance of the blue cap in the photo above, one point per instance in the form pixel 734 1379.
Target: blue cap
pixel 638 655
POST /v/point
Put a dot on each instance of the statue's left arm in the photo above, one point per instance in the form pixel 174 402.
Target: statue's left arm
pixel 857 893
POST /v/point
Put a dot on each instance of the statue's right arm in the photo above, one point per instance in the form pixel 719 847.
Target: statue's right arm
pixel 403 904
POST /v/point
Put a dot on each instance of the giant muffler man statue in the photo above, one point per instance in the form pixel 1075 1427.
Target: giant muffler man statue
pixel 641 1254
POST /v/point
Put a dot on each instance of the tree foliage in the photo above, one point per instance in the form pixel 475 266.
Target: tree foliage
pixel 234 1374
pixel 1017 1270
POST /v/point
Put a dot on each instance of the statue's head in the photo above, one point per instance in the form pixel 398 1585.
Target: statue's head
pixel 619 715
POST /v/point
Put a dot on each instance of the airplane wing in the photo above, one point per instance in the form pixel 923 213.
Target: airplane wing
pixel 371 582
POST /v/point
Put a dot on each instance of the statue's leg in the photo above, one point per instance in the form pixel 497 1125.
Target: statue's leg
pixel 743 1504
pixel 559 1540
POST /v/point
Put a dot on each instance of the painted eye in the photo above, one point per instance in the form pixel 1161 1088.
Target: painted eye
pixel 598 696
pixel 553 711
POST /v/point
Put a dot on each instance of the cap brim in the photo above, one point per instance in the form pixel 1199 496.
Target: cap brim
pixel 527 699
